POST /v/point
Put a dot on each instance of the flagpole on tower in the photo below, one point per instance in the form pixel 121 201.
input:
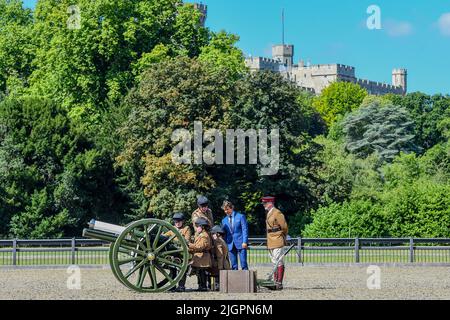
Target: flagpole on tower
pixel 282 26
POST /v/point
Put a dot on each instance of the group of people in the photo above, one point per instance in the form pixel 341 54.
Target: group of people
pixel 220 247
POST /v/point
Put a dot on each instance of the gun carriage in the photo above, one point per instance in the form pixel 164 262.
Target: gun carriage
pixel 144 255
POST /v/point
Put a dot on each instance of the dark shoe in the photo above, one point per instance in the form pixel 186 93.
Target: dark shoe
pixel 180 289
pixel 174 289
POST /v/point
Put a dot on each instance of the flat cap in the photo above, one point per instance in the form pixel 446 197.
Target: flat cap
pixel 201 200
pixel 178 216
pixel 217 229
pixel 201 222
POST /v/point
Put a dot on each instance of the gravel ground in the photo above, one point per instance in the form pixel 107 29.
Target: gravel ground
pixel 300 283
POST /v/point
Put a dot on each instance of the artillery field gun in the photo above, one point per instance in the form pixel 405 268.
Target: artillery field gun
pixel 144 255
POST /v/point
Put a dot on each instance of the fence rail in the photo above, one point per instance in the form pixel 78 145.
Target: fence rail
pixel 18 252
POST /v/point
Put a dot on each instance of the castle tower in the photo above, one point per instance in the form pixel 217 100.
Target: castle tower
pixel 203 8
pixel 284 53
pixel 399 78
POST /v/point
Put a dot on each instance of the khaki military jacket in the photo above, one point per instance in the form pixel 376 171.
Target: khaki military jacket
pixel 275 219
pixel 185 232
pixel 199 214
pixel 221 261
pixel 201 250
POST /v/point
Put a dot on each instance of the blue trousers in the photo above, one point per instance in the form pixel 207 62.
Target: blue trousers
pixel 242 253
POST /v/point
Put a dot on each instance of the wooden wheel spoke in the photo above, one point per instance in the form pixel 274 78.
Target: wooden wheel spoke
pixel 147 238
pixel 164 273
pixel 158 234
pixel 121 262
pixel 171 263
pixel 141 245
pixel 170 252
pixel 142 274
pixel 142 253
pixel 165 243
pixel 133 270
pixel 153 276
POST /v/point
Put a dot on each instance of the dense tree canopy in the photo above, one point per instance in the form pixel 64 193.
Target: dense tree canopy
pixel 178 92
pixel 338 99
pixel 51 176
pixel 386 130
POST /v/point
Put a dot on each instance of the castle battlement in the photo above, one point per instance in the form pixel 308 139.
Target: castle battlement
pixel 379 87
pixel 345 67
pixel 315 78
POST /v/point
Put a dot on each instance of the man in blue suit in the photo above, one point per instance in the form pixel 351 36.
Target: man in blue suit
pixel 236 235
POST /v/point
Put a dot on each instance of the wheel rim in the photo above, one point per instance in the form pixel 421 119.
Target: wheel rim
pixel 143 259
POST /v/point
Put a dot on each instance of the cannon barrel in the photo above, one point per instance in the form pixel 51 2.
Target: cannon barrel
pixel 99 235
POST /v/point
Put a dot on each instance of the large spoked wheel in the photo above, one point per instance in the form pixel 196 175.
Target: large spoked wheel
pixel 144 259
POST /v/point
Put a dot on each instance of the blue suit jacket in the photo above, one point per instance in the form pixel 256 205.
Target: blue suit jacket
pixel 239 234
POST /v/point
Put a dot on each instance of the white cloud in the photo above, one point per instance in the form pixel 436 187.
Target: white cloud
pixel 398 28
pixel 444 24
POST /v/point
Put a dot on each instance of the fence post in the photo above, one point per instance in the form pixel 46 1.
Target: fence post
pixel 411 250
pixel 14 253
pixel 299 249
pixel 357 250
pixel 73 250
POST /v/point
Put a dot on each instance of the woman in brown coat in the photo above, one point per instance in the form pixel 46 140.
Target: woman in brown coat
pixel 201 260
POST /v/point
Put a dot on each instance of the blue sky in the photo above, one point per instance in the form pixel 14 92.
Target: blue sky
pixel 414 34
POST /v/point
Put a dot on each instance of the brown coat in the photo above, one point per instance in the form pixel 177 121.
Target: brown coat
pixel 221 261
pixel 201 250
pixel 185 232
pixel 198 213
pixel 275 219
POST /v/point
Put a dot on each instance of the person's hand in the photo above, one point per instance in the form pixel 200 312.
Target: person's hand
pixel 244 246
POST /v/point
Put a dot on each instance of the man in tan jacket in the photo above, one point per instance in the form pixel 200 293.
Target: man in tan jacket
pixel 201 260
pixel 277 230
pixel 203 211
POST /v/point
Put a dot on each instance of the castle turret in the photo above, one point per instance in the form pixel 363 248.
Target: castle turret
pixel 399 78
pixel 203 8
pixel 284 54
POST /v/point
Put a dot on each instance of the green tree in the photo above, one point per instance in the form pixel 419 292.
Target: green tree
pixel 176 93
pixel 222 53
pixel 386 130
pixel 429 114
pixel 52 178
pixel 339 98
pixel 357 218
pixel 418 209
pixel 171 96
pixel 85 68
pixel 16 50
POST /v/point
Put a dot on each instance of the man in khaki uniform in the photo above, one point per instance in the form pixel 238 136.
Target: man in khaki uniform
pixel 178 222
pixel 277 230
pixel 201 260
pixel 220 260
pixel 203 211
